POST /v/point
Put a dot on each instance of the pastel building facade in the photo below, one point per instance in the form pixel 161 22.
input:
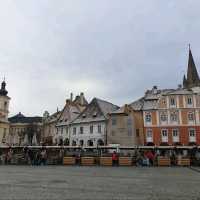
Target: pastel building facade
pixel 172 116
pixel 125 126
pixel 70 112
pixel 90 127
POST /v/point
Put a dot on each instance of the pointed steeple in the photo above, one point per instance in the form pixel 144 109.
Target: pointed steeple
pixel 184 81
pixel 192 74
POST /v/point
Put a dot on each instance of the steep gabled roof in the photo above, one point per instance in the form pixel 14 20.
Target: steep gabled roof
pixel 106 107
pixel 96 110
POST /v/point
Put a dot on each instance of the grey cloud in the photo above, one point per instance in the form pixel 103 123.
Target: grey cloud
pixel 110 49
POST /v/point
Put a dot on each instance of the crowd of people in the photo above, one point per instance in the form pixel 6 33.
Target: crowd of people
pixel 30 156
pixel 140 157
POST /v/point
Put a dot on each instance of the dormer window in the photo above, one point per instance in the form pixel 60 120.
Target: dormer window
pixel 94 114
pixel 84 116
pixel 148 117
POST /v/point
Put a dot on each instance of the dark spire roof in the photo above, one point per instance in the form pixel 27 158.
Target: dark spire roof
pixel 3 91
pixel 192 74
pixel 184 81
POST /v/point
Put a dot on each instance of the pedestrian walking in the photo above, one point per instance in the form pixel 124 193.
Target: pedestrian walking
pixel 114 159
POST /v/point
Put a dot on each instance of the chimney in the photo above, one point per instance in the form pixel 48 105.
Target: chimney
pixel 155 89
pixel 71 96
pixel 82 98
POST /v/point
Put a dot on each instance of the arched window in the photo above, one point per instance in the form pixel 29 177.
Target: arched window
pixel 100 142
pixel 66 142
pixel 90 143
pixel 81 143
pixel 73 143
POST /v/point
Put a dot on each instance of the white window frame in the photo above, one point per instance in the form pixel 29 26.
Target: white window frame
pixel 149 135
pixel 192 137
pixel 175 138
pixel 172 102
pixel 191 114
pixel 164 137
pixel 189 101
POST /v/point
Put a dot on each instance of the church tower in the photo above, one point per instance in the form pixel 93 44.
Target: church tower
pixel 4 110
pixel 192 79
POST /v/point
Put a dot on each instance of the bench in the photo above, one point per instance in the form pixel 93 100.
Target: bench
pixel 87 161
pixel 106 161
pixel 69 161
pixel 163 161
pixel 125 161
pixel 183 162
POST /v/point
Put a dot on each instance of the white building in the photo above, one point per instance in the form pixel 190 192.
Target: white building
pixel 90 127
pixel 71 111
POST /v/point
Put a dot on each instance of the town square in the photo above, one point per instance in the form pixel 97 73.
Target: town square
pixel 99 99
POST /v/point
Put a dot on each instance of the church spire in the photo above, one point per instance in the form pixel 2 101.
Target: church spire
pixel 192 74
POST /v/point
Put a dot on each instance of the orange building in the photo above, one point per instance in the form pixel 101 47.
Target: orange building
pixel 172 116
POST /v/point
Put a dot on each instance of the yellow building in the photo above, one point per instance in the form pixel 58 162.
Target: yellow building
pixel 4 110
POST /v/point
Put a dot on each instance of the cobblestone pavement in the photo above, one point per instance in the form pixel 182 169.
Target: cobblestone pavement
pixel 59 182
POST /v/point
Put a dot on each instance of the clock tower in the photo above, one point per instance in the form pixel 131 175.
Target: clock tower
pixel 4 110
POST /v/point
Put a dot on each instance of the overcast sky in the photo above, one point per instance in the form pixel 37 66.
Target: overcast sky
pixel 110 49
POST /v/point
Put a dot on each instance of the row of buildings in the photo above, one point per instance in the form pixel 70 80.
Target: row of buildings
pixel 160 117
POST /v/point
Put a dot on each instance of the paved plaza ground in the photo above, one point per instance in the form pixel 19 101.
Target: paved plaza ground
pixel 59 182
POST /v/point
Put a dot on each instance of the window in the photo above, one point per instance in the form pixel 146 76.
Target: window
pixel 148 117
pixel 175 133
pixel 149 133
pixel 191 116
pixel 84 116
pixel 99 128
pixel 172 102
pixel 113 133
pixel 137 133
pixel 4 133
pixel 114 121
pixel 94 114
pixel 163 101
pixel 189 101
pixel 62 130
pixel 129 121
pixel 81 142
pixel 174 117
pixel 74 131
pixel 81 130
pixel 163 117
pixel 5 104
pixel 192 133
pixel 91 129
pixel 129 132
pixel 164 133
